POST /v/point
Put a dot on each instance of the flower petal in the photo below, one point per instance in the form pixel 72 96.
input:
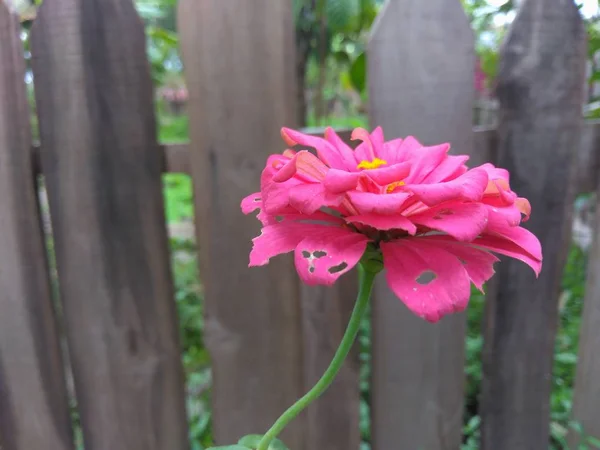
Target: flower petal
pixel 327 153
pixel 450 168
pixel 367 202
pixel 469 186
pixel 425 161
pixel 463 221
pixel 388 174
pixel 380 222
pixel 338 181
pixel 326 254
pixel 408 148
pixel 276 239
pixel 304 164
pixel 478 263
pixel 431 281
pixel 345 150
pixel 308 198
pixel 251 203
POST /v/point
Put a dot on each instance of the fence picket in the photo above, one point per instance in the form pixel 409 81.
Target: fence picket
pixel 239 68
pixel 540 88
pixel 427 91
pixel 34 411
pixel 103 175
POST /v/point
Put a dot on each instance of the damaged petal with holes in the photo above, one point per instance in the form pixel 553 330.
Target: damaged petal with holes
pixel 434 223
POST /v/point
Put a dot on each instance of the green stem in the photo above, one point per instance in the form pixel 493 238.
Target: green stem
pixel 366 278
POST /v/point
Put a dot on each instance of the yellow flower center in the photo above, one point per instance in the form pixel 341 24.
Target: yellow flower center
pixel 371 164
pixel 394 185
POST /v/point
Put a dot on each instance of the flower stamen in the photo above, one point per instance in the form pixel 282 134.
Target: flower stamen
pixel 391 187
pixel 376 163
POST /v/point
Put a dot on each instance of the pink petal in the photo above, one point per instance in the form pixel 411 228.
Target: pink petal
pixel 282 237
pixel 251 203
pixel 378 141
pixel 524 207
pixel 389 152
pixel 408 149
pixel 409 262
pixel 346 152
pixel 326 254
pixel 326 152
pixel 478 263
pixel 276 196
pixel 338 181
pixel 379 222
pixel 304 164
pixel 463 221
pixel 388 174
pixel 469 186
pixel 523 238
pixel 308 198
pixel 503 216
pixel 449 169
pixel 502 246
pixel 425 161
pixel 367 202
pixel 276 239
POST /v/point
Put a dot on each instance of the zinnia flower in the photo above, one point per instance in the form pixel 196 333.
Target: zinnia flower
pixel 434 221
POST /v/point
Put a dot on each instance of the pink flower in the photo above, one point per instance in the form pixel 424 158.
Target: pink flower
pixel 434 221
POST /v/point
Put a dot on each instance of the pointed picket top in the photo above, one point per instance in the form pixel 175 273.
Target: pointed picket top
pixel 103 175
pixel 421 65
pixel 540 87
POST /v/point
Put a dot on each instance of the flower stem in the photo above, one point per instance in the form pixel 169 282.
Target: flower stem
pixel 366 278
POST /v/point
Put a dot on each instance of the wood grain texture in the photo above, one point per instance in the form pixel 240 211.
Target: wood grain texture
pixel 540 88
pixel 421 59
pixel 333 420
pixel 586 404
pixel 34 411
pixel 103 175
pixel 239 68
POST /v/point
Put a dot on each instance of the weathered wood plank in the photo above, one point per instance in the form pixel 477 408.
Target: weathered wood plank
pixel 424 90
pixel 333 420
pixel 103 174
pixel 586 407
pixel 34 411
pixel 238 59
pixel 540 90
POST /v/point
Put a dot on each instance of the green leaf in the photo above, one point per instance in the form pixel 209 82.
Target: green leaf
pixel 358 72
pixel 593 441
pixel 230 447
pixel 566 358
pixel 253 440
pixel 342 14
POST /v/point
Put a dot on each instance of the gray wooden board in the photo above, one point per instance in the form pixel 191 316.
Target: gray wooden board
pixel 103 175
pixel 239 68
pixel 420 75
pixel 540 88
pixel 34 413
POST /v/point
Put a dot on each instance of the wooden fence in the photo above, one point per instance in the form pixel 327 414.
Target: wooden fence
pixel 269 337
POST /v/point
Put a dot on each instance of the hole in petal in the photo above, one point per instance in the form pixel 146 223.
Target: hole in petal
pixel 426 278
pixel 319 254
pixel 338 268
pixel 256 199
pixel 305 254
pixel 279 218
pixel 311 269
